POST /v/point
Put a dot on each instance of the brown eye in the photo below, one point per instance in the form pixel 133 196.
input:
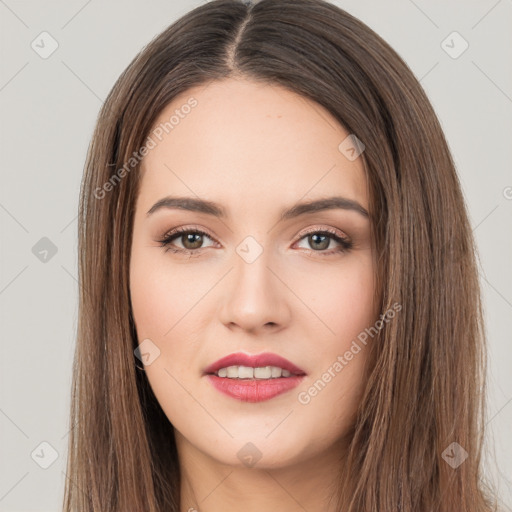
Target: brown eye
pixel 192 240
pixel 318 241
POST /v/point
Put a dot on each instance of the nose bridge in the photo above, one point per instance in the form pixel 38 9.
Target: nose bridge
pixel 255 297
pixel 251 263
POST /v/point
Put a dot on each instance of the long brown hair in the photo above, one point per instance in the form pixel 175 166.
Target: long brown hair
pixel 426 381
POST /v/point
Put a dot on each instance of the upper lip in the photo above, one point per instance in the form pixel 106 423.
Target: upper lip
pixel 256 361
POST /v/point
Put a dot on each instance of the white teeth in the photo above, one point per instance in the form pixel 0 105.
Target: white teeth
pixel 247 372
pixel 233 371
pixel 275 371
pixel 262 373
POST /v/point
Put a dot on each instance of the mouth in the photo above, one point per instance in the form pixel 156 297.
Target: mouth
pixel 253 378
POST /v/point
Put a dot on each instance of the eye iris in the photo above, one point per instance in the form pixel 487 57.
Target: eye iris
pixel 195 238
pixel 315 237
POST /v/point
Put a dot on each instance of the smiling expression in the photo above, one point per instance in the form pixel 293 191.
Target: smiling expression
pixel 273 256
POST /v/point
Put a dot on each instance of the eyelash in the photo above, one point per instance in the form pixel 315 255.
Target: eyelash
pixel 345 243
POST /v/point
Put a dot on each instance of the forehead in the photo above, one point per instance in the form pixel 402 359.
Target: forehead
pixel 245 144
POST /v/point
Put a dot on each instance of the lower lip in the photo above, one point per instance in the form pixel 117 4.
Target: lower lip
pixel 257 390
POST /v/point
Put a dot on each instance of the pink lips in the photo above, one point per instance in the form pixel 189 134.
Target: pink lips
pixel 254 390
pixel 256 361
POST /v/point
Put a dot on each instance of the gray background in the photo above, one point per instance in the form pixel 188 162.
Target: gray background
pixel 48 110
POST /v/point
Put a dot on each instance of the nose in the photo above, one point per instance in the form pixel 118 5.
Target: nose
pixel 255 297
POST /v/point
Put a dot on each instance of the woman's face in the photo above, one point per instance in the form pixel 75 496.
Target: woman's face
pixel 257 282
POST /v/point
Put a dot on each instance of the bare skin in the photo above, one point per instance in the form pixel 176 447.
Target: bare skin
pixel 255 150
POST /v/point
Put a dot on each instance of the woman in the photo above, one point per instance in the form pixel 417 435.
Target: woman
pixel 279 302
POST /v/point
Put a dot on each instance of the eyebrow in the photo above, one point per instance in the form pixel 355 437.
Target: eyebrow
pixel 215 209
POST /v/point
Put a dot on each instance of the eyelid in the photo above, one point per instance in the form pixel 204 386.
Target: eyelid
pixel 185 229
pixel 328 229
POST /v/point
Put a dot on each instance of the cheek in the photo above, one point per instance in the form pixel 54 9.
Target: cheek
pixel 163 309
pixel 347 310
pixel 155 300
pixel 169 304
pixel 343 298
pixel 161 294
